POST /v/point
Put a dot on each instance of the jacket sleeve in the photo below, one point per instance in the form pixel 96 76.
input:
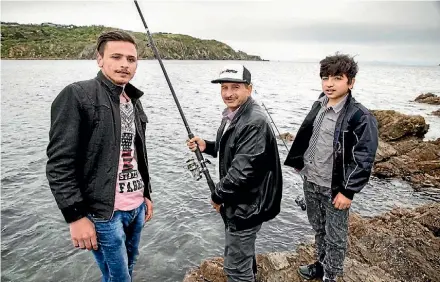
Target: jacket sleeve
pixel 249 155
pixel 295 157
pixel 359 169
pixel 147 190
pixel 64 137
pixel 210 149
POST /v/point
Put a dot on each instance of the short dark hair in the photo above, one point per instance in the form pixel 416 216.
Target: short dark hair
pixel 339 64
pixel 114 35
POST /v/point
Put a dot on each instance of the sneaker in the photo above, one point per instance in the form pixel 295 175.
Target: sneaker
pixel 311 271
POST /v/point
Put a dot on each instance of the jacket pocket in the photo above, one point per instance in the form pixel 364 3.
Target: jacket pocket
pixel 244 211
pixel 102 122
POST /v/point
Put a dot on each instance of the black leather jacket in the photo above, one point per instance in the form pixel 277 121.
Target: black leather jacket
pixel 250 186
pixel 84 147
pixel 354 146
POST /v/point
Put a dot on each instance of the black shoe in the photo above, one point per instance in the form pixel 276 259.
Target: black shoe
pixel 311 271
pixel 329 280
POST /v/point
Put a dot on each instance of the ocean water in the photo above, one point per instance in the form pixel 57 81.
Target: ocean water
pixel 35 240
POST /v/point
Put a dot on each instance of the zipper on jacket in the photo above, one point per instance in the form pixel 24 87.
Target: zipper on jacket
pixel 118 143
pixel 354 159
pixel 343 153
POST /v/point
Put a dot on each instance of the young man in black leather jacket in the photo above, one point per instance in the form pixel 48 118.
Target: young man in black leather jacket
pixel 97 161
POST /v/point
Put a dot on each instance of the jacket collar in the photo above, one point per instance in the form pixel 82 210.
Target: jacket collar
pixel 237 115
pixel 116 90
pixel 242 109
pixel 347 101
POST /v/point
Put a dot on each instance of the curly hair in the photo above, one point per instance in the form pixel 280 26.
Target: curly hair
pixel 114 35
pixel 339 64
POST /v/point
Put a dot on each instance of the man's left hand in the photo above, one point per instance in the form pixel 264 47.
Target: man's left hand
pixel 216 206
pixel 148 209
pixel 341 202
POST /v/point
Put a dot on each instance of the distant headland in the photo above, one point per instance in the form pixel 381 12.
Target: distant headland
pixel 48 41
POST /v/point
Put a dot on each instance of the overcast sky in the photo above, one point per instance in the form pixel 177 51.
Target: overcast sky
pixel 391 31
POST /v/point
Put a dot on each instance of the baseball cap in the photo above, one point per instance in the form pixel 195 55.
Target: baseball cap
pixel 233 73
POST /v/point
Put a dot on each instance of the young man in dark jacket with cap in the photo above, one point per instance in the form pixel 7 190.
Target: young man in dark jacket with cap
pixel 250 187
pixel 334 149
pixel 97 161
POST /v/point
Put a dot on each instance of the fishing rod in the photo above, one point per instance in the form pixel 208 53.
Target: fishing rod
pixel 267 111
pixel 299 200
pixel 197 170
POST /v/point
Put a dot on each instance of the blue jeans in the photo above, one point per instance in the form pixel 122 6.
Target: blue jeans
pixel 118 241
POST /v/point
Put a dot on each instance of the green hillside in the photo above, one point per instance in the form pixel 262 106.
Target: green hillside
pixel 52 41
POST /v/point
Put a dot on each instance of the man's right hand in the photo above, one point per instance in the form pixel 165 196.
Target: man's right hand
pixel 83 234
pixel 192 144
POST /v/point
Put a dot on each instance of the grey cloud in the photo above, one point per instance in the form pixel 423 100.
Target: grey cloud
pixel 361 33
pixel 335 32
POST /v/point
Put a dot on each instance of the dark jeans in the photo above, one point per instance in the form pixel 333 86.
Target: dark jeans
pixel 330 225
pixel 118 241
pixel 240 264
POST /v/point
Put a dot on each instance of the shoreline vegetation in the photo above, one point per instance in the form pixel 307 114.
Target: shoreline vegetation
pixel 49 41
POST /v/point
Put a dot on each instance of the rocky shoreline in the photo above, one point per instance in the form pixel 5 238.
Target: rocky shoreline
pixel 400 245
pixel 403 154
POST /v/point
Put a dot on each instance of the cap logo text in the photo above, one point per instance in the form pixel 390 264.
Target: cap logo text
pixel 228 70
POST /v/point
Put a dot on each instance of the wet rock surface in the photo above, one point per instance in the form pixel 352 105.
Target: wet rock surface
pixel 402 153
pixel 428 98
pixel 401 245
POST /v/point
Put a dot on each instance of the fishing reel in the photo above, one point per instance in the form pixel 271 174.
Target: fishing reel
pixel 300 202
pixel 194 168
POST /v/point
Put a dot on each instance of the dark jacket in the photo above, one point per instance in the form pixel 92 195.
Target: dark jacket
pixel 354 146
pixel 84 147
pixel 251 183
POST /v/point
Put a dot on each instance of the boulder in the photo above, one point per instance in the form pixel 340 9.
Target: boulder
pixel 402 153
pixel 415 161
pixel 395 126
pixel 428 98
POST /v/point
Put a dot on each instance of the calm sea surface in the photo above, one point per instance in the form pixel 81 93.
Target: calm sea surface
pixel 35 240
